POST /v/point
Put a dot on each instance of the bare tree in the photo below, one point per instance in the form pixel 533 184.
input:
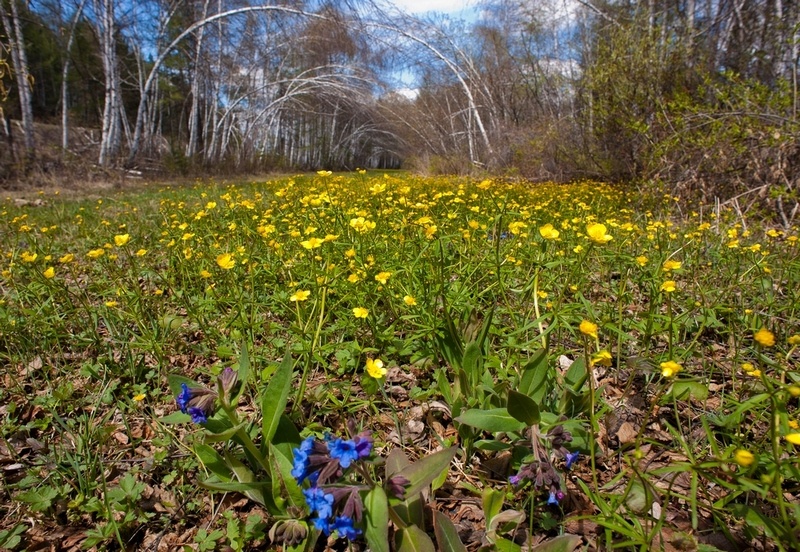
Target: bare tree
pixel 13 29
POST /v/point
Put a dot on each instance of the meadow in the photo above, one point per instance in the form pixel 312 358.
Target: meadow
pixel 400 363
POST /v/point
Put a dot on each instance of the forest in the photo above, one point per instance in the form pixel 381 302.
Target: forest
pixel 698 96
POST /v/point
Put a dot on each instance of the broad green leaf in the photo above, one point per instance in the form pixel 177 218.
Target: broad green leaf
pixel 175 381
pixel 224 435
pixel 446 533
pixel 505 545
pixel 376 514
pixel 493 420
pixel 576 375
pixel 523 408
pixel 562 543
pixel 492 503
pixel 472 363
pixel 413 539
pixel 282 472
pixel 39 500
pixel 275 397
pixel 534 377
pixel 177 417
pixel 684 390
pixel 213 462
pixel 492 445
pixel 396 461
pixel 243 373
pixel 421 473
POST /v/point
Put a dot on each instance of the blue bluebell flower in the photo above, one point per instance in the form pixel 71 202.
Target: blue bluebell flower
pixel 300 466
pixel 199 402
pixel 319 502
pixel 571 458
pixel 344 526
pixel 552 500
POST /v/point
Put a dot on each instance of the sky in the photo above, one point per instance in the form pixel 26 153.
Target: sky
pixel 421 6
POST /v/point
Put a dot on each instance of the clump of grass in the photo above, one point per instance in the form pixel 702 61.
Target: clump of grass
pixel 686 327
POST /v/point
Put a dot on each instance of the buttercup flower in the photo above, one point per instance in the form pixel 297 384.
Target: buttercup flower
pixel 548 232
pixel 49 273
pixel 360 312
pixel 764 337
pixel 225 261
pixel 670 265
pixel 312 243
pixel 382 277
pixel 121 239
pixel 793 438
pixel 95 253
pixel 409 300
pixel 641 260
pixel 588 328
pixel 744 458
pixel 670 368
pixel 668 286
pixel 375 368
pixel 300 295
pixel 597 233
pixel 602 358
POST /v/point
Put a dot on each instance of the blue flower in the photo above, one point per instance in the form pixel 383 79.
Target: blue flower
pixel 344 525
pixel 184 397
pixel 320 502
pixel 571 458
pixel 344 450
pixel 514 479
pixel 321 524
pixel 301 464
pixel 199 416
pixel 553 500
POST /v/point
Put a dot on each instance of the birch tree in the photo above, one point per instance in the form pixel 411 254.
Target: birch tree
pixel 13 29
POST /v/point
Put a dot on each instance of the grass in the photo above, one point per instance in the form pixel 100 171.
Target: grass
pixel 668 352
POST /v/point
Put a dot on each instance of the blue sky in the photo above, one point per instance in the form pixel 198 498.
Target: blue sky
pixel 421 6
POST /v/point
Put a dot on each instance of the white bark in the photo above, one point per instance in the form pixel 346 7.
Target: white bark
pixel 20 59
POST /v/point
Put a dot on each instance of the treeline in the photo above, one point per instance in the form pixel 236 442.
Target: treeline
pixel 699 95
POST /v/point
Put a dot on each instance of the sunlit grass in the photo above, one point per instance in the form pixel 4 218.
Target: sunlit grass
pixel 693 311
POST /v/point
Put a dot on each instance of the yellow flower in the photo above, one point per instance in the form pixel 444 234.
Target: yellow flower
pixel 111 304
pixel 121 239
pixel 141 252
pixel 793 438
pixel 548 232
pixel 670 368
pixel 597 233
pixel 670 265
pixel 350 253
pixel 764 337
pixel 353 278
pixel 375 368
pixel 360 312
pixel 205 274
pixel 588 328
pixel 409 300
pixel 95 253
pixel 68 258
pixel 748 367
pixel 312 243
pixel 744 458
pixel 139 398
pixel 430 231
pixel 225 261
pixel 382 277
pixel 300 295
pixel 668 286
pixel 324 173
pixel 794 390
pixel 361 225
pixel 28 257
pixel 516 227
pixel 641 260
pixel 602 358
pixel 49 273
pixel 794 340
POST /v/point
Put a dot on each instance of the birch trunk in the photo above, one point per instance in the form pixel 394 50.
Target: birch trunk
pixel 20 59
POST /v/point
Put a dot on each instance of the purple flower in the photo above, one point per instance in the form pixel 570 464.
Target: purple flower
pixel 344 525
pixel 571 458
pixel 347 451
pixel 514 479
pixel 553 500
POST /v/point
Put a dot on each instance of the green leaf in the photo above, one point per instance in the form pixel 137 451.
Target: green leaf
pixel 275 397
pixel 493 420
pixel 756 518
pixel 421 473
pixel 534 377
pixel 176 417
pixel 376 513
pixel 472 364
pixel 40 499
pixel 413 539
pixel 243 373
pixel 505 545
pixel 683 390
pixel 213 462
pixel 223 435
pixel 492 503
pixel 523 408
pixel 446 533
pixel 396 461
pixel 562 543
pixel 175 381
pixel 282 472
pixel 492 445
pixel 576 375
